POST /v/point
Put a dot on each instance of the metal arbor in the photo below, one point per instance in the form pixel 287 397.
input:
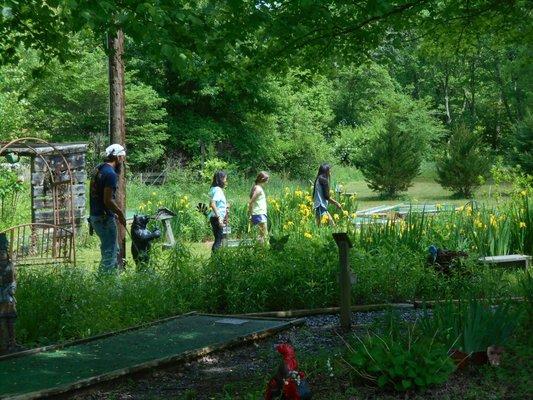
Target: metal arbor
pixel 50 237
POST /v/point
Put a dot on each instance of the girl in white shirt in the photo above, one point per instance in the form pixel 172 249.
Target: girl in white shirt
pixel 257 206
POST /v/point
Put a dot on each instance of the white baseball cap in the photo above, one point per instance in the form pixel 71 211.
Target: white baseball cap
pixel 115 150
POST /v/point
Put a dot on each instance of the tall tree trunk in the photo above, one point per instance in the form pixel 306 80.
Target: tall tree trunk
pixel 117 129
pixel 503 95
pixel 473 89
pixel 447 99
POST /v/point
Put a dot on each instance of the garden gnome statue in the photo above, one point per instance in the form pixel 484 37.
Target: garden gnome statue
pixel 288 383
pixel 8 313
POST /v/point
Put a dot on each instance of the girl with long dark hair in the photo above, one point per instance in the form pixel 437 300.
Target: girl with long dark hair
pixel 219 207
pixel 321 195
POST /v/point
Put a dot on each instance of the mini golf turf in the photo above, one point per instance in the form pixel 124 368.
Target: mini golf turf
pixel 63 367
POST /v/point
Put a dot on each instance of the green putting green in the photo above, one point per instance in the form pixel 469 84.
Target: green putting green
pixel 63 368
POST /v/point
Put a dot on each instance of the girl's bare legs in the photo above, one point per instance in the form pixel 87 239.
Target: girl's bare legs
pixel 263 232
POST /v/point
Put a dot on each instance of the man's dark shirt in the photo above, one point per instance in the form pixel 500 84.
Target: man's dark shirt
pixel 106 177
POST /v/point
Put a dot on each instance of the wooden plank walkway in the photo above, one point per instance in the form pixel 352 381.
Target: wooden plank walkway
pixel 60 369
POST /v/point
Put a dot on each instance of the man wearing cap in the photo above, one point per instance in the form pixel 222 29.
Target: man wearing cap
pixel 104 209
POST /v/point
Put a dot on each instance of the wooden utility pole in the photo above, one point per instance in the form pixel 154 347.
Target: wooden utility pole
pixel 117 126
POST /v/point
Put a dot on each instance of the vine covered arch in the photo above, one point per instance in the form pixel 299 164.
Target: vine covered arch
pixel 57 201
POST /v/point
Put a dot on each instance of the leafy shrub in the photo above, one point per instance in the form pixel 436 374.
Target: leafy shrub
pixel 211 166
pixel 464 163
pixel 526 286
pixel 13 115
pixel 521 143
pixel 10 188
pixel 351 141
pixel 147 131
pixel 254 278
pixel 364 98
pixel 400 360
pixel 80 302
pixel 358 90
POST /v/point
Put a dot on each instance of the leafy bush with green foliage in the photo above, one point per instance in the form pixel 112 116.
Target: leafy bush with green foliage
pixel 399 359
pixel 12 116
pixel 389 260
pixel 145 123
pixel 365 98
pixel 211 166
pixel 80 302
pixel 302 274
pixel 302 119
pixel 521 143
pixel 526 286
pixel 351 141
pixel 10 189
pixel 255 278
pixel 68 101
pixel 359 90
pixel 465 162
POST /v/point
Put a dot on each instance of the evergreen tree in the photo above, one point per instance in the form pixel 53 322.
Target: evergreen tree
pixel 392 159
pixel 464 163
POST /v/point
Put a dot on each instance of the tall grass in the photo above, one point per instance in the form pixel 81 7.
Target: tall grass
pixel 389 260
pixel 501 229
pixel 60 303
pixel 65 303
pixel 486 231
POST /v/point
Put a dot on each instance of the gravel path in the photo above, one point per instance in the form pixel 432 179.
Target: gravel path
pixel 319 334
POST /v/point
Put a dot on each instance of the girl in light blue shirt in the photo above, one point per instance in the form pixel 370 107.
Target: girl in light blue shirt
pixel 219 207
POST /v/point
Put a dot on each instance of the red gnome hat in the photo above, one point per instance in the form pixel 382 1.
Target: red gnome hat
pixel 289 356
pixel 285 384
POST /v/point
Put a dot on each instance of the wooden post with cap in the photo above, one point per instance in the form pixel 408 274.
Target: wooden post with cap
pixel 344 244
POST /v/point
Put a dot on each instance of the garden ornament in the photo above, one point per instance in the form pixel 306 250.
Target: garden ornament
pixel 141 237
pixel 12 158
pixel 8 312
pixel 444 260
pixel 494 354
pixel 202 209
pixel 288 383
pixel 164 215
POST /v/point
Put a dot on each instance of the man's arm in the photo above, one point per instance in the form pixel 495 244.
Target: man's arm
pixel 110 203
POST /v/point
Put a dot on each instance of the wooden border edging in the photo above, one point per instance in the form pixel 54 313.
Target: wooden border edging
pixel 432 303
pixel 327 310
pixel 361 308
pixel 182 357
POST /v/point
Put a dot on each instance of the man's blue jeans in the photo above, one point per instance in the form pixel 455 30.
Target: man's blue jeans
pixel 106 229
